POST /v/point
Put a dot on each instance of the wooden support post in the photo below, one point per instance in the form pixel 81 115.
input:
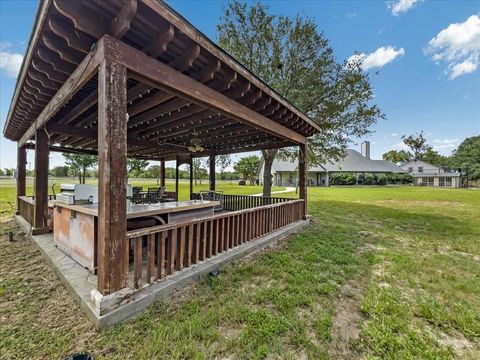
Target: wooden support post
pixel 162 172
pixel 41 182
pixel 212 172
pixel 112 153
pixel 302 176
pixel 21 173
pixel 177 164
pixel 191 176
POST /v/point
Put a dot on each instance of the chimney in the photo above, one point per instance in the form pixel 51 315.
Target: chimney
pixel 366 149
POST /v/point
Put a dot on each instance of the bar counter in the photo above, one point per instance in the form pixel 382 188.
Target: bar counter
pixel 76 226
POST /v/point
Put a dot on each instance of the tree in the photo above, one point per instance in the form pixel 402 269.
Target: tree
pixel 79 163
pixel 59 171
pixel 467 157
pixel 248 167
pixel 397 157
pixel 433 157
pixel 199 170
pixel 296 60
pixel 134 166
pixel 417 144
pixel 222 162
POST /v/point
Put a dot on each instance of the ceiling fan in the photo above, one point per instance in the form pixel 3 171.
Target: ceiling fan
pixel 196 143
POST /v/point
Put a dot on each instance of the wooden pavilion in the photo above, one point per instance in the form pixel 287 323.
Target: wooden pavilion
pixel 132 78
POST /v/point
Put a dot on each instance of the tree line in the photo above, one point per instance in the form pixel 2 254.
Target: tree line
pixel 465 158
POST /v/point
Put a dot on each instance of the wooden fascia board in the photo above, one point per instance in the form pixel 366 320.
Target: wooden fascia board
pixel 40 19
pixel 160 75
pixel 84 72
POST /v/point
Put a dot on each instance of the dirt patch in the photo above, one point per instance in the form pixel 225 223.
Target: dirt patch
pixel 461 346
pixel 346 322
pixel 447 250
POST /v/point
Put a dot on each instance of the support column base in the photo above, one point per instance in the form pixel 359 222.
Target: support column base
pixel 40 231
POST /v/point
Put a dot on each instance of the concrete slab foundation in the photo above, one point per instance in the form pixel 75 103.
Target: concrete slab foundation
pixel 107 310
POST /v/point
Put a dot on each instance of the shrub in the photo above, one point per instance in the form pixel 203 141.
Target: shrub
pixel 369 179
pixel 382 179
pixel 343 179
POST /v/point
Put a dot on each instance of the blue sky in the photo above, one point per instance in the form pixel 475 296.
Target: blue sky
pixel 423 57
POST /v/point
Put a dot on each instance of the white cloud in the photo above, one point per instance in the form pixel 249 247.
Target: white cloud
pixel 394 134
pixel 379 58
pixel 463 68
pixel 458 46
pixel 401 6
pixel 445 144
pixel 10 62
pixel 351 15
pixel 400 146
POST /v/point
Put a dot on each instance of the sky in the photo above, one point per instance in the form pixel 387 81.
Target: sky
pixel 423 58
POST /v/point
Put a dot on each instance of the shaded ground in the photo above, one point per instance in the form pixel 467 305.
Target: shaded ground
pixel 383 272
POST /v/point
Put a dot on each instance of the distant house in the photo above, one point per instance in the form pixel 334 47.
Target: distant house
pixel 426 174
pixel 285 172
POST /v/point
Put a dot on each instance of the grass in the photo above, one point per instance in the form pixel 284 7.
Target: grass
pixel 382 273
pixel 8 189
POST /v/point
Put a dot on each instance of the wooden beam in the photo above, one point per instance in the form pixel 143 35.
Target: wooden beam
pixel 44 80
pixel 48 70
pixel 162 172
pixel 164 10
pixel 121 23
pixel 211 173
pixel 84 134
pixel 303 175
pixel 160 42
pixel 58 45
pixel 177 165
pixel 76 40
pixel 183 86
pixel 54 60
pixel 146 104
pixel 79 77
pixel 83 106
pixel 62 149
pixel 21 173
pixel 41 180
pixel 185 61
pixel 112 154
pixel 208 71
pixel 73 10
pixel 190 164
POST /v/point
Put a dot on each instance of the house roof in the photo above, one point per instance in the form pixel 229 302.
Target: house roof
pixel 66 33
pixel 427 175
pixel 352 162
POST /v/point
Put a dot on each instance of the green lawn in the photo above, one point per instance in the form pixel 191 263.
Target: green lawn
pixel 8 189
pixel 382 273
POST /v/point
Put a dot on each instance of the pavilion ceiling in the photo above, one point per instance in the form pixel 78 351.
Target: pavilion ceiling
pixel 160 124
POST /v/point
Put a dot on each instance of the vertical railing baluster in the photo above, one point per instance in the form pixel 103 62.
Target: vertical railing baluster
pixel 137 262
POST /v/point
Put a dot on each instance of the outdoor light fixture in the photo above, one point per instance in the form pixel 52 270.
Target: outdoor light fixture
pixel 196 143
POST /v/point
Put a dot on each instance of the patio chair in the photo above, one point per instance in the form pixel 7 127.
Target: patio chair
pixel 211 195
pixel 154 195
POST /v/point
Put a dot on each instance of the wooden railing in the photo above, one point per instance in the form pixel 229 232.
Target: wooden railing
pixel 26 206
pixel 170 194
pixel 241 202
pixel 173 247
